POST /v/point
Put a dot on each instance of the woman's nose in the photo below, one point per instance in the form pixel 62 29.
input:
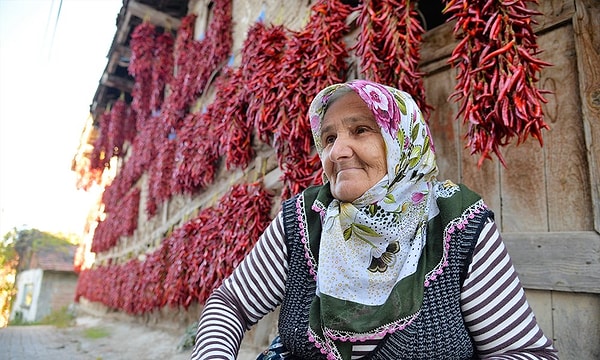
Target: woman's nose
pixel 341 148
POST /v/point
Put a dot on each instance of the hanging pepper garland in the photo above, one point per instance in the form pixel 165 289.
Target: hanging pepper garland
pixel 262 55
pixel 160 173
pixel 98 159
pixel 162 69
pixel 241 217
pixel 315 57
pixel 190 263
pixel 121 220
pixel 153 272
pixel 117 129
pixel 498 69
pixel 197 60
pixel 196 156
pixel 231 123
pixel 388 45
pixel 186 57
pixel 142 45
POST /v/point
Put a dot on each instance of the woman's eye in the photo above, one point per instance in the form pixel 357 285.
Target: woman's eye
pixel 329 139
pixel 360 130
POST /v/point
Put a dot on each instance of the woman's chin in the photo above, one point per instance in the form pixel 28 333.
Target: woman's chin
pixel 348 190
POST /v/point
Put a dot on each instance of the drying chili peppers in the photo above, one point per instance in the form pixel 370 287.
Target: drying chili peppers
pixel 187 53
pixel 315 57
pixel 498 68
pixel 196 61
pixel 262 59
pixel 160 172
pixel 190 263
pixel 140 67
pixel 197 155
pixel 162 69
pixel 121 220
pixel 228 113
pixel 388 45
pixel 117 128
pixel 98 158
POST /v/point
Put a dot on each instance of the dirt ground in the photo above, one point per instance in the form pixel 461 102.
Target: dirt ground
pixel 123 340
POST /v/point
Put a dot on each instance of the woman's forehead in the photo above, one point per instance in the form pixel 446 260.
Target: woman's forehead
pixel 350 108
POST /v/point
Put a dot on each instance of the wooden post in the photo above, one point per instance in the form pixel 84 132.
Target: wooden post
pixel 586 23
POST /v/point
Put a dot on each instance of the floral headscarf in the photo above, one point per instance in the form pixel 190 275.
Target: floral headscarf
pixel 371 248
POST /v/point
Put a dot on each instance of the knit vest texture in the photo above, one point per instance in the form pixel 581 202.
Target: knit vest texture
pixel 438 332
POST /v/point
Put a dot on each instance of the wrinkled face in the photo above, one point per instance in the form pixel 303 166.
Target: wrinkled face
pixel 354 156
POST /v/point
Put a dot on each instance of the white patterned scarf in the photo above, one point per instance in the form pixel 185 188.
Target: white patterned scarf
pixel 368 247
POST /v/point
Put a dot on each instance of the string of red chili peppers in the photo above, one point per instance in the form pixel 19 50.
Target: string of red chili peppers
pixel 121 220
pixel 197 60
pixel 141 154
pixel 262 58
pixel 498 69
pixel 187 54
pixel 388 45
pixel 117 130
pixel 196 157
pixel 142 45
pixel 244 215
pixel 163 66
pixel 160 173
pixel 229 118
pixel 125 179
pixel 98 158
pixel 141 67
pixel 190 263
pixel 315 57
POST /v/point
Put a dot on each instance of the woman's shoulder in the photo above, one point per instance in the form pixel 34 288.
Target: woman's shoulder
pixel 456 197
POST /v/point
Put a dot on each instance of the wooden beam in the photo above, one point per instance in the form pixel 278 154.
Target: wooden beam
pixel 158 18
pixel 119 57
pixel 561 261
pixel 586 23
pixel 117 82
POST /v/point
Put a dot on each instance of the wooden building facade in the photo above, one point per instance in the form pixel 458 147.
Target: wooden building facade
pixel 546 201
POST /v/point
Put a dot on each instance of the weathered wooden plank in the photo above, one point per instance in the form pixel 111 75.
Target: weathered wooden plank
pixel 524 197
pixel 117 82
pixel 438 43
pixel 540 302
pixel 567 176
pixel 587 45
pixel 444 129
pixel 484 180
pixel 554 13
pixel 576 319
pixel 155 17
pixel 563 261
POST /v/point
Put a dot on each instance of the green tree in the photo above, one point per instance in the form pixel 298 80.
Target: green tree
pixel 8 269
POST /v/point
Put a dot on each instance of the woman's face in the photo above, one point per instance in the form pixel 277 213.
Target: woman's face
pixel 353 156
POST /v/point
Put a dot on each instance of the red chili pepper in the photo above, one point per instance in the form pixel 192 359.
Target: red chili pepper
pixel 497 47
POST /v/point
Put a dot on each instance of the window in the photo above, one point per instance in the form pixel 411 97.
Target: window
pixel 28 297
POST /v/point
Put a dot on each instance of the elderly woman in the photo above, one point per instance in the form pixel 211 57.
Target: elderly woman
pixel 382 261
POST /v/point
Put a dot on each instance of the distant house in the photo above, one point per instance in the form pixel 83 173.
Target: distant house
pixel 47 283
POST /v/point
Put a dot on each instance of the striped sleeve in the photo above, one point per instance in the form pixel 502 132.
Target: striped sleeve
pixel 494 306
pixel 255 288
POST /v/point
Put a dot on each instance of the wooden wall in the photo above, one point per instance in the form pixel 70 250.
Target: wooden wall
pixel 547 200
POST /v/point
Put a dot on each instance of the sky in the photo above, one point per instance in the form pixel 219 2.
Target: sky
pixel 52 56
